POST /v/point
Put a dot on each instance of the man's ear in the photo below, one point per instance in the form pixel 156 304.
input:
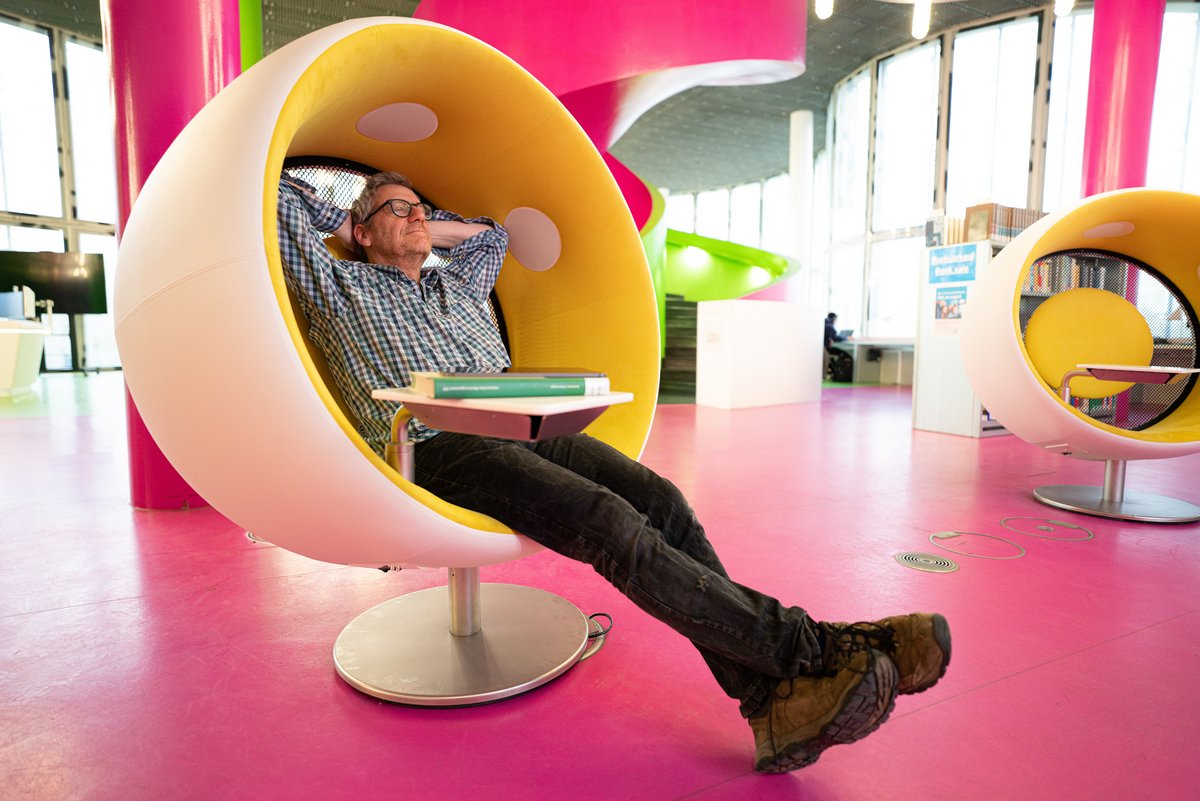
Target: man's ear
pixel 361 235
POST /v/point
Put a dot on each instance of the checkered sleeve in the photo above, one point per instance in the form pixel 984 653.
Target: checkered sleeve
pixel 310 269
pixel 475 262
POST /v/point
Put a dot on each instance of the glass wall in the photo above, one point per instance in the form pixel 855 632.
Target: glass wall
pixel 906 123
pixel 28 133
pixel 92 156
pixel 756 214
pixel 993 75
pixel 850 134
pixel 891 161
pixel 1067 112
pixel 1175 128
pixel 57 169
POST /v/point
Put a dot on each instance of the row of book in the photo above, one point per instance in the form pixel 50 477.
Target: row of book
pixel 998 223
pixel 987 221
pixel 515 382
pixel 1051 275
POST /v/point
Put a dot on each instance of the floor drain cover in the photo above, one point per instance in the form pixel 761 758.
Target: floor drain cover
pixel 927 562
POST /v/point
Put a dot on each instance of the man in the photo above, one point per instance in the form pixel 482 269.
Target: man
pixel 805 686
pixel 831 332
pixel 839 365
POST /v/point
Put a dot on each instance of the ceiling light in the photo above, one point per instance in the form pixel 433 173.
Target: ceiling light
pixel 824 9
pixel 920 22
pixel 1063 8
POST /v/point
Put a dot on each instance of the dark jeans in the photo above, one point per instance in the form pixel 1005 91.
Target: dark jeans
pixel 583 499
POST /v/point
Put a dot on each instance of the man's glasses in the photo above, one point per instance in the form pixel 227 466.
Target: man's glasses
pixel 401 208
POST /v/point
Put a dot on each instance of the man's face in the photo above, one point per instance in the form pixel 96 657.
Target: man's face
pixel 389 239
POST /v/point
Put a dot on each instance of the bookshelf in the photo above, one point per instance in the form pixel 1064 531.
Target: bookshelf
pixel 958 251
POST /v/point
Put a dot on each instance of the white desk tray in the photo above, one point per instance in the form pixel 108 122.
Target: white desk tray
pixel 1141 374
pixel 511 418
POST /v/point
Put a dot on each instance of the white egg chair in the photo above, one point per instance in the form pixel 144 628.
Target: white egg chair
pixel 1081 338
pixel 217 362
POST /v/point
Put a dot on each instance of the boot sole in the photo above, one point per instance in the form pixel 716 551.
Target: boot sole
pixel 865 711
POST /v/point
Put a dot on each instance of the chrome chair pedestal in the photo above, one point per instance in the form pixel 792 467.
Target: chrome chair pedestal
pixel 431 647
pixel 1114 502
pixel 403 650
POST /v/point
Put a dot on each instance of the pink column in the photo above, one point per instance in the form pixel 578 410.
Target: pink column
pixel 169 57
pixel 1126 37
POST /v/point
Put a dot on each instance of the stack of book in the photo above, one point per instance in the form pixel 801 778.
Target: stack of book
pixel 516 382
pixel 997 223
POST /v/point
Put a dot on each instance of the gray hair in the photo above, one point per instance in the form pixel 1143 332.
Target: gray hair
pixel 362 204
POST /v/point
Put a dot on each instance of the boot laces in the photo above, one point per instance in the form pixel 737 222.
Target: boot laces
pixel 844 640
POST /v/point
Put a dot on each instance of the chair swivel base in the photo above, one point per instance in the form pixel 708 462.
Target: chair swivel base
pixel 402 650
pixel 1139 507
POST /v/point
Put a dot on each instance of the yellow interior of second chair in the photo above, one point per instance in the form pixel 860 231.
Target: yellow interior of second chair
pixel 1087 326
pixel 1153 227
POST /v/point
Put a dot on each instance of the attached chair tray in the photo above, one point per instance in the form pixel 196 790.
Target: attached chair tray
pixel 511 418
pixel 1141 374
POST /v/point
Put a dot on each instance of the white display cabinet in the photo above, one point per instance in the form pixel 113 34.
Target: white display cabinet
pixel 943 399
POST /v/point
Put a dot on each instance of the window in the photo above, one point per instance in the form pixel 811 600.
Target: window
pixel 1070 70
pixel 815 255
pixel 1174 161
pixel 712 213
pixel 851 139
pixel 991 115
pixel 894 286
pixel 99 337
pixel 846 283
pixel 777 226
pixel 745 214
pixel 680 213
pixel 906 120
pixel 93 161
pixel 36 174
pixel 851 129
pixel 26 238
pixel 29 182
pixel 57 353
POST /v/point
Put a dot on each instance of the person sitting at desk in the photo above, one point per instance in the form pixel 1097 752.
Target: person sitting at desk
pixel 839 364
pixel 804 685
pixel 831 332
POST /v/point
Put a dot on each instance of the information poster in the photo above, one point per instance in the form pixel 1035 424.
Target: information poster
pixel 948 309
pixel 952 264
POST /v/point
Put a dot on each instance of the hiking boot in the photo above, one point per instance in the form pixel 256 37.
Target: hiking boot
pixel 808 714
pixel 919 644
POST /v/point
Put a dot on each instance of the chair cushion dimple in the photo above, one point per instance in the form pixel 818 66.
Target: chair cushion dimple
pixel 1087 326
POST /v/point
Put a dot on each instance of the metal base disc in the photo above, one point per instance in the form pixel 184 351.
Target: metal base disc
pixel 402 650
pixel 1139 507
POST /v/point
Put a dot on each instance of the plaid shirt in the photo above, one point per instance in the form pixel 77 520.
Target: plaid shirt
pixel 375 324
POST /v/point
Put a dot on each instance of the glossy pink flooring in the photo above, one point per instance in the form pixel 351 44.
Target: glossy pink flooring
pixel 163 655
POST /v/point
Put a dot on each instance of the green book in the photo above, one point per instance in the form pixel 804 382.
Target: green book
pixel 505 385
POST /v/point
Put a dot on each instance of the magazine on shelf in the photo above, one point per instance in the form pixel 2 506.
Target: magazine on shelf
pixel 513 383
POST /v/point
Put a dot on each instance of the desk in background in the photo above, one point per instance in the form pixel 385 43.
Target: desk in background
pixel 21 343
pixel 894 364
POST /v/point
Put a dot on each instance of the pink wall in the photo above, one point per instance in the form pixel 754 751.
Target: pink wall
pixel 611 62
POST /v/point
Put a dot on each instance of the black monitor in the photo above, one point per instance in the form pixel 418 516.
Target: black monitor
pixel 74 281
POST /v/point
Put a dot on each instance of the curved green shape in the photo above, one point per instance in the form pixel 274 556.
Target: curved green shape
pixel 250 18
pixel 701 268
pixel 654 241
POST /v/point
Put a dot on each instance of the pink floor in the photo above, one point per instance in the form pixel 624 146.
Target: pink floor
pixel 163 655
